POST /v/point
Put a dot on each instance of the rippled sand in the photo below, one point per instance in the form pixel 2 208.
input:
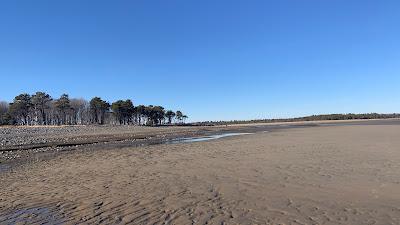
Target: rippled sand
pixel 317 175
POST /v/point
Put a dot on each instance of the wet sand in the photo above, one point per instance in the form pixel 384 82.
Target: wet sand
pixel 317 175
pixel 21 145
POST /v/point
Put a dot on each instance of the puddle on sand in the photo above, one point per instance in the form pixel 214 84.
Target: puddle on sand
pixel 36 215
pixel 206 138
pixel 4 167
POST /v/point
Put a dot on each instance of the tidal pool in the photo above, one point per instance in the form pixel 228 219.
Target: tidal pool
pixel 206 138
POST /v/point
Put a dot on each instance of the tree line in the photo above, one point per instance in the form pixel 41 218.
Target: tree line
pixel 41 109
pixel 349 116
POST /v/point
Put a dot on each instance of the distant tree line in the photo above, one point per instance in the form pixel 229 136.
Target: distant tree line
pixel 41 109
pixel 349 116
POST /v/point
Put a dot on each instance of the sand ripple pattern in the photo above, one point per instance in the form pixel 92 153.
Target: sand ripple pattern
pixel 324 175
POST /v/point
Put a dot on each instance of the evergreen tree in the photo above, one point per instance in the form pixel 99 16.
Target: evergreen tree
pixel 98 110
pixel 41 105
pixel 20 108
pixel 63 107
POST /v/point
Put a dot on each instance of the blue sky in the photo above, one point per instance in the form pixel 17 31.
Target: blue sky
pixel 214 60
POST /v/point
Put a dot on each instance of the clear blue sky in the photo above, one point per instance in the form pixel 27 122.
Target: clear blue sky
pixel 214 60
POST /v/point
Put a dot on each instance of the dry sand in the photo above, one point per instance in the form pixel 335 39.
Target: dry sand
pixel 317 175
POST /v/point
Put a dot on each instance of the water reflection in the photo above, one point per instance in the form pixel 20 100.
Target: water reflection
pixel 206 138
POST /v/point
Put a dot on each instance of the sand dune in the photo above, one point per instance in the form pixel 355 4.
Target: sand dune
pixel 317 175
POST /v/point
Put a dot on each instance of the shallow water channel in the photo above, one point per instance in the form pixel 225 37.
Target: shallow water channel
pixel 205 138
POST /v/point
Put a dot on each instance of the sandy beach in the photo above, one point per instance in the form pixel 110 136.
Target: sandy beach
pixel 200 112
pixel 316 175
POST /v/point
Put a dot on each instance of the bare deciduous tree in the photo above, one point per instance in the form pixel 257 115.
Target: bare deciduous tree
pixel 4 106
